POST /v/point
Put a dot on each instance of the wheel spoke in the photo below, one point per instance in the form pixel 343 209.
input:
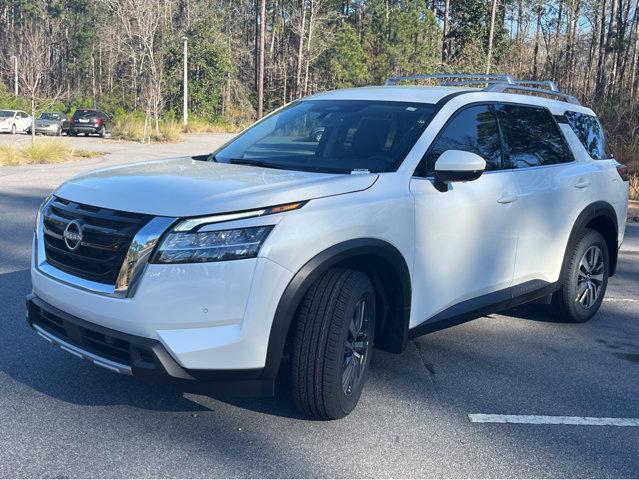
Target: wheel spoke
pixel 347 375
pixel 598 277
pixel 581 291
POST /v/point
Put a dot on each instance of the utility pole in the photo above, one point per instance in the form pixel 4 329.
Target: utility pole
pixel 15 74
pixel 185 111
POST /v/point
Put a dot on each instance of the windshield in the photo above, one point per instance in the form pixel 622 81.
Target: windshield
pixel 49 116
pixel 333 136
pixel 6 113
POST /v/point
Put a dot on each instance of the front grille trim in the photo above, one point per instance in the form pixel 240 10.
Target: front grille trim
pixel 108 234
pixel 131 262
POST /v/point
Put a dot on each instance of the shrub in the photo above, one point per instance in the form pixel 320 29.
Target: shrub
pixel 43 151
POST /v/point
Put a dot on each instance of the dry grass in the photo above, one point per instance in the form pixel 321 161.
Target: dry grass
pixel 200 125
pixel 44 151
pixel 131 127
pixel 634 187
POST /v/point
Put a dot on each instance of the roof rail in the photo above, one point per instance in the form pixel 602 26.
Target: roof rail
pixel 448 79
pixel 501 83
pixel 504 88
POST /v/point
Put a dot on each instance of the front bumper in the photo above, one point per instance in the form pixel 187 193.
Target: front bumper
pixel 140 357
pixel 49 129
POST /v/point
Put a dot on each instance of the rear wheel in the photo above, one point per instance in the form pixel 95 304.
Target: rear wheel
pixel 332 343
pixel 102 131
pixel 583 284
pixel 13 130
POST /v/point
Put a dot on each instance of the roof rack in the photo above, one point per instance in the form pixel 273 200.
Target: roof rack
pixel 501 83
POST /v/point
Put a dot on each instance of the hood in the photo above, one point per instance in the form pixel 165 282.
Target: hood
pixel 186 187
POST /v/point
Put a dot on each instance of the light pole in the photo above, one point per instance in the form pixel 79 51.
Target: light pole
pixel 185 111
pixel 15 74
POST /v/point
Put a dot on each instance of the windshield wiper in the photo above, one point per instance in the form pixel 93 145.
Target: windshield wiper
pixel 256 163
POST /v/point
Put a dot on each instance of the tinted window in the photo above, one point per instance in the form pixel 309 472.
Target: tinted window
pixel 83 113
pixel 532 137
pixel 475 130
pixel 373 136
pixel 590 134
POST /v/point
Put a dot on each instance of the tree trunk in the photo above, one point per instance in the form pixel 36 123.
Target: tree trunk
pixel 300 50
pixel 536 50
pixel 308 46
pixel 491 34
pixel 445 41
pixel 260 80
pixel 33 112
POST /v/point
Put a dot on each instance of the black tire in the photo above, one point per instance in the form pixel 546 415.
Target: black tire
pixel 13 130
pixel 72 133
pixel 569 303
pixel 322 341
pixel 102 131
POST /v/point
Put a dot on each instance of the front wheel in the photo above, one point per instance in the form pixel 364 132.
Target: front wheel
pixel 13 130
pixel 583 284
pixel 332 343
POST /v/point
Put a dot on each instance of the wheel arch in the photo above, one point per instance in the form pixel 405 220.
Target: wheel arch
pixel 389 273
pixel 599 216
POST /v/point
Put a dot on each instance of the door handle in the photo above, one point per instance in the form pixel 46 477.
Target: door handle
pixel 582 183
pixel 507 198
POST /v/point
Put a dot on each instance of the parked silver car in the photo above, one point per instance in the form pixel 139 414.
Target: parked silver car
pixel 51 123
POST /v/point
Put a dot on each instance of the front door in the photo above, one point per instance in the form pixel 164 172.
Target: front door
pixel 466 237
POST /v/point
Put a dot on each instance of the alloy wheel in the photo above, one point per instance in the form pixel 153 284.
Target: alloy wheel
pixel 356 348
pixel 590 277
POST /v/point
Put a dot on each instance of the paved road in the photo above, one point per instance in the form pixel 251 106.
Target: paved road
pixel 60 417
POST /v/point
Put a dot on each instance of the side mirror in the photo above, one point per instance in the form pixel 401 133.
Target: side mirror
pixel 457 166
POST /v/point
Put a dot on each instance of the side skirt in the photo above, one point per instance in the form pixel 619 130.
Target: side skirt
pixel 486 304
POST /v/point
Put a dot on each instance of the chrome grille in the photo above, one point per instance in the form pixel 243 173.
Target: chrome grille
pixel 107 235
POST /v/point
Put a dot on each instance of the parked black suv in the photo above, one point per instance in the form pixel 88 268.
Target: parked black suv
pixel 90 121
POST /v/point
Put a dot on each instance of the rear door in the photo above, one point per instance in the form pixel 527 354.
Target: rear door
pixel 466 237
pixel 552 190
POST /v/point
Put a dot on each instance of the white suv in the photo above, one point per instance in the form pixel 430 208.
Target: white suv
pixel 417 208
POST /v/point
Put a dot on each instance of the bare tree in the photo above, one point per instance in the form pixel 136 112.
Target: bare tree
pixel 36 61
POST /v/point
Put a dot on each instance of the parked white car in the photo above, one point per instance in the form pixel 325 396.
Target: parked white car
pixel 417 208
pixel 14 121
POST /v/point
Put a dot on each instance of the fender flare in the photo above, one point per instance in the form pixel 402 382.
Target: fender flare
pixel 311 271
pixel 592 211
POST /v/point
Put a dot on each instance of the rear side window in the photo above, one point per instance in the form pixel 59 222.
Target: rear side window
pixel 590 134
pixel 532 137
pixel 473 129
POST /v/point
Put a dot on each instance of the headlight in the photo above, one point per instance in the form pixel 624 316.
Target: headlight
pixel 214 246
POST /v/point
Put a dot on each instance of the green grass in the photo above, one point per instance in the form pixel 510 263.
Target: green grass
pixel 43 151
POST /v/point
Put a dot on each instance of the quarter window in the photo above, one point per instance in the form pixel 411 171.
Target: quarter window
pixel 590 134
pixel 473 129
pixel 532 137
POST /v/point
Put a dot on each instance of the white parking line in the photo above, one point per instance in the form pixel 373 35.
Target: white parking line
pixel 553 420
pixel 621 300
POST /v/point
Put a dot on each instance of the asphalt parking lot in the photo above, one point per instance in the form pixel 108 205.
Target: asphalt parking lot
pixel 61 417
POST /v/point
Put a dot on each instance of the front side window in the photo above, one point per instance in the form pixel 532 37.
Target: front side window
pixel 332 136
pixel 590 134
pixel 475 130
pixel 532 137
